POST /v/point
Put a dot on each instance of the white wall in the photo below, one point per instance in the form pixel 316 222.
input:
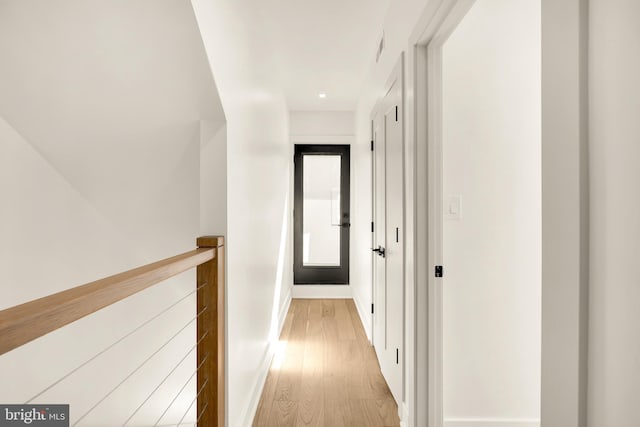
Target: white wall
pixel 259 159
pixel 492 253
pixel 614 133
pixel 332 127
pixel 213 178
pixel 321 124
pixel 99 163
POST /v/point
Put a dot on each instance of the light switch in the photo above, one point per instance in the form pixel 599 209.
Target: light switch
pixel 453 208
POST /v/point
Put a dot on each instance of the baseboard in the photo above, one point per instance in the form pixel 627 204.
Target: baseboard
pixel 254 401
pixel 491 422
pixel 404 416
pixel 321 291
pixel 365 316
pixel 283 312
pixel 252 407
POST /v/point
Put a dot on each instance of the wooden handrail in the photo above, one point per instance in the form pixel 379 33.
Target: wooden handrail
pixel 31 320
pixel 26 322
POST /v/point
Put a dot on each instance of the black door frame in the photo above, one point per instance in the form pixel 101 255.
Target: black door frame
pixel 321 275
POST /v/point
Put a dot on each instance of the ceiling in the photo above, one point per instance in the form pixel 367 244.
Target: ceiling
pixel 321 46
pixel 75 61
pixel 106 81
pixel 310 46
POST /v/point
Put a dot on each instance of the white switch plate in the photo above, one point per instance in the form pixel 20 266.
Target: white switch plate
pixel 453 208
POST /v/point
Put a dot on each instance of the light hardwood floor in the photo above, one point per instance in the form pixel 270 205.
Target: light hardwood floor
pixel 327 374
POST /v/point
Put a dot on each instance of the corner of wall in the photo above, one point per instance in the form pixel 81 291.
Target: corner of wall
pixel 404 420
pixel 265 364
pixel 364 318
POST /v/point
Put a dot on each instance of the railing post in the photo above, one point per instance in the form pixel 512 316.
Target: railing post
pixel 211 303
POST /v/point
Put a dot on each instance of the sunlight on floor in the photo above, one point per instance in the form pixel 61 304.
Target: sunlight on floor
pixel 278 355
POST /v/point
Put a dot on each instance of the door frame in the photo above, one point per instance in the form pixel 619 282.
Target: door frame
pixel 320 275
pixel 565 210
pixel 427 85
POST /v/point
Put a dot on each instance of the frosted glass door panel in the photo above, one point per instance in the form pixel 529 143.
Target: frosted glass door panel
pixel 321 210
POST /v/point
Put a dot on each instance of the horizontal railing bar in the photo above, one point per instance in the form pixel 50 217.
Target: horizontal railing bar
pixel 26 322
pixel 164 379
pixel 193 401
pixel 103 351
pixel 182 389
pixel 134 371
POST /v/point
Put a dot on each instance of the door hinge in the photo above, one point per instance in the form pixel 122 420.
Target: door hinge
pixel 397 235
pixel 396 113
pixel 397 356
pixel 439 271
pixel 372 226
pixel 371 308
pixel 372 145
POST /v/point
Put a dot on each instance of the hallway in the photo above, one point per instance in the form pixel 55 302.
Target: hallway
pixel 325 372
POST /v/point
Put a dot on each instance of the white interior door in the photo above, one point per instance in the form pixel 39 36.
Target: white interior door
pixel 388 236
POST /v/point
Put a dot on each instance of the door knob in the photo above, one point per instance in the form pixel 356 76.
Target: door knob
pixel 380 251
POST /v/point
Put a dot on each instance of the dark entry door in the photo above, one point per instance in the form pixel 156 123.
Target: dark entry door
pixel 321 214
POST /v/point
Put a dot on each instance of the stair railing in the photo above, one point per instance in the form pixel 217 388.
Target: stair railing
pixel 26 322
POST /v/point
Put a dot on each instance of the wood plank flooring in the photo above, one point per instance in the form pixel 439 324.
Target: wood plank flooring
pixel 327 374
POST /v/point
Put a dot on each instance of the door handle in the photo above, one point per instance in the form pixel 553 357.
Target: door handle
pixel 342 224
pixel 380 251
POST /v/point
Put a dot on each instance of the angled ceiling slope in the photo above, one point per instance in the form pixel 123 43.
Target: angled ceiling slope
pixel 81 78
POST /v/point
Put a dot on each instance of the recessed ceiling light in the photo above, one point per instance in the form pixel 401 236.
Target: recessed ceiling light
pixel 322 95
